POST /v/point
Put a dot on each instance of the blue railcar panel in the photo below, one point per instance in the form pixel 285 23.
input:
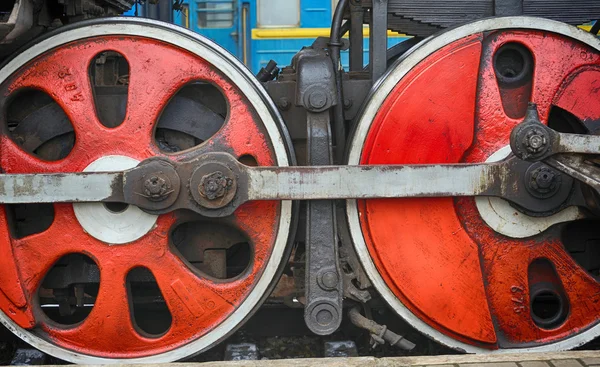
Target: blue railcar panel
pixel 281 43
pixel 315 13
pixel 282 51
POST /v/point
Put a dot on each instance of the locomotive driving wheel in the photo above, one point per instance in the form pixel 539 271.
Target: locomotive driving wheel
pixel 101 283
pixel 483 275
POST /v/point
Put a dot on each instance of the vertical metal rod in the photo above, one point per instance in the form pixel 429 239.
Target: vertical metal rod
pixel 356 37
pixel 378 39
pixel 165 11
pixel 335 45
pixel 245 12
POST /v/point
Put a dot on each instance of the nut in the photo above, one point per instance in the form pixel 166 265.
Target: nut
pixel 283 104
pixel 156 188
pixel 544 181
pixel 214 185
pixel 535 141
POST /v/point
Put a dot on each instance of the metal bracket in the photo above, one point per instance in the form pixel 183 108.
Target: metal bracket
pixel 378 39
pixel 356 36
pixel 316 91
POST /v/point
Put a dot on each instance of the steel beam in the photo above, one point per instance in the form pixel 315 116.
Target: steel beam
pixel 378 39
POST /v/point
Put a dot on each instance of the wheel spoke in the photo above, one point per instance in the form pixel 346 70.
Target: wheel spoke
pixel 189 296
pixel 580 97
pixel 157 72
pixel 15 160
pixel 260 233
pixel 243 132
pixel 239 136
pixel 64 76
pixel 582 290
pixel 35 254
pixel 556 63
pixel 109 326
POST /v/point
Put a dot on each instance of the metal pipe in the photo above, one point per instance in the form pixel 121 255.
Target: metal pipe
pixel 345 28
pixel 335 46
pixel 379 333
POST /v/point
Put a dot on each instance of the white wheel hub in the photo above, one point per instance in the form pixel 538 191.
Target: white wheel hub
pixel 503 218
pixel 112 224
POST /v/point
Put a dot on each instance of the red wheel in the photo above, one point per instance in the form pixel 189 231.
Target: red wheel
pixel 474 280
pixel 84 285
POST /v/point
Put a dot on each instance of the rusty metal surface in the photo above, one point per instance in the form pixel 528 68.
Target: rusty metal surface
pixel 218 184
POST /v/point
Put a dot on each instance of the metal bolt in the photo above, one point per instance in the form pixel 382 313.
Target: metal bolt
pixel 214 185
pixel 329 280
pixel 317 99
pixel 347 103
pixel 544 182
pixel 156 188
pixel 535 141
pixel 283 103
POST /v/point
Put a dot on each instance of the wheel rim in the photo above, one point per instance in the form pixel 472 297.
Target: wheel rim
pixel 441 289
pixel 162 59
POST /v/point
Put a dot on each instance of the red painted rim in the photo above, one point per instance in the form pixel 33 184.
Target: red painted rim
pixel 437 256
pixel 197 303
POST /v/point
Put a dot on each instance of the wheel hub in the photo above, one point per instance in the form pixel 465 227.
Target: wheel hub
pixel 505 219
pixel 113 224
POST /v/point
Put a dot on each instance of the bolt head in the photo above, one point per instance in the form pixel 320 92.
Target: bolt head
pixel 330 280
pixel 156 187
pixel 535 141
pixel 283 103
pixel 317 99
pixel 544 182
pixel 214 185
